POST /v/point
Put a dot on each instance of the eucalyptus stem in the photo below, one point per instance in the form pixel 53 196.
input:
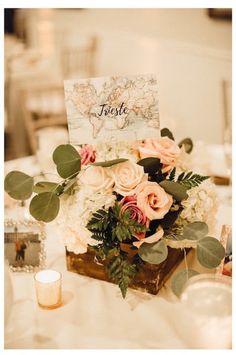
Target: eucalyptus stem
pixel 185 260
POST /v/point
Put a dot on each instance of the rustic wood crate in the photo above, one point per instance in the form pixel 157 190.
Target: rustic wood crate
pixel 150 278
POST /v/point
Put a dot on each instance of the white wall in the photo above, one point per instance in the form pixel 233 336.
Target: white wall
pixel 190 53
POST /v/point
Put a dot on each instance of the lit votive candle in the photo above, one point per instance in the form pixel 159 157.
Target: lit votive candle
pixel 208 311
pixel 48 288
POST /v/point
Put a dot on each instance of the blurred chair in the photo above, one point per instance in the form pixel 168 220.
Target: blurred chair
pixel 43 107
pixel 79 61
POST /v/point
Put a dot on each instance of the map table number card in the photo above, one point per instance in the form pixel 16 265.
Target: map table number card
pixel 112 109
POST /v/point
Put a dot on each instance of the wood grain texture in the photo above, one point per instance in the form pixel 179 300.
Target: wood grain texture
pixel 150 278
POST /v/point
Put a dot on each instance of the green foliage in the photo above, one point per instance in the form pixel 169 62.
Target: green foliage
pixel 210 252
pixel 67 160
pixel 113 224
pixel 122 272
pixel 187 143
pixel 190 180
pixel 107 164
pixel 165 132
pixel 178 191
pixel 45 186
pixel 172 174
pixel 125 227
pixel 45 206
pixel 98 224
pixel 195 230
pixel 179 280
pixel 19 185
pixel 150 165
pixel 154 253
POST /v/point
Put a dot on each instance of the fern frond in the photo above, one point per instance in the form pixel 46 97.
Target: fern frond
pixel 190 180
pixel 122 272
pixel 172 175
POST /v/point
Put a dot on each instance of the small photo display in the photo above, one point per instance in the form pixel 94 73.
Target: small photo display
pixel 24 245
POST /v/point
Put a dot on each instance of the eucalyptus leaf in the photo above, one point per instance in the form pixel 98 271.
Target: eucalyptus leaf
pixel 151 165
pixel 165 132
pixel 19 185
pixel 210 252
pixel 45 206
pixel 44 186
pixel 187 143
pixel 195 230
pixel 107 164
pixel 67 160
pixel 180 279
pixel 154 253
pixel 178 191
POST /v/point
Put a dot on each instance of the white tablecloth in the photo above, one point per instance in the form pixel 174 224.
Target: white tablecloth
pixel 93 314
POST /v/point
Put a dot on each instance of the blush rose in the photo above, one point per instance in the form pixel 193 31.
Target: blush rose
pixel 151 239
pixel 152 200
pixel 162 148
pixel 127 176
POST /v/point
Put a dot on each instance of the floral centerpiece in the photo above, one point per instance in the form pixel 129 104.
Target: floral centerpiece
pixel 133 205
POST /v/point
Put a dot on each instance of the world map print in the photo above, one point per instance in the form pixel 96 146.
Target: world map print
pixel 112 108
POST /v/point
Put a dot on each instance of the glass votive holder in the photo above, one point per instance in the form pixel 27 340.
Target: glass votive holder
pixel 207 308
pixel 48 288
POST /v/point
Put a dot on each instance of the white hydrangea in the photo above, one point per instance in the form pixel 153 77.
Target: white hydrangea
pixel 201 205
pixel 115 150
pixel 75 213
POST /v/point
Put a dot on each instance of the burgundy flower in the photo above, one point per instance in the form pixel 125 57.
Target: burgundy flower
pixel 129 203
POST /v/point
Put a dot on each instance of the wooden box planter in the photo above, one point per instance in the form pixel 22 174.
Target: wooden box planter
pixel 149 279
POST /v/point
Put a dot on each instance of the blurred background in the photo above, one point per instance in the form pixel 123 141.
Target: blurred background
pixel 188 49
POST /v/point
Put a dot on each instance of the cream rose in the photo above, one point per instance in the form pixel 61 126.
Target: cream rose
pixel 163 148
pixel 127 176
pixel 97 178
pixel 152 200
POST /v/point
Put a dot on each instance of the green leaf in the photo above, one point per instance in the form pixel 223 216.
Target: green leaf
pixel 195 230
pixel 122 272
pixel 178 191
pixel 154 253
pixel 18 185
pixel 107 164
pixel 190 180
pixel 188 144
pixel 210 252
pixel 67 160
pixel 180 279
pixel 151 165
pixel 165 132
pixel 45 206
pixel 44 186
pixel 172 174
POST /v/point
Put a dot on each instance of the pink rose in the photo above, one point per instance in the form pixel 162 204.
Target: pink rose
pixel 88 154
pixel 162 148
pixel 127 176
pixel 129 203
pixel 152 200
